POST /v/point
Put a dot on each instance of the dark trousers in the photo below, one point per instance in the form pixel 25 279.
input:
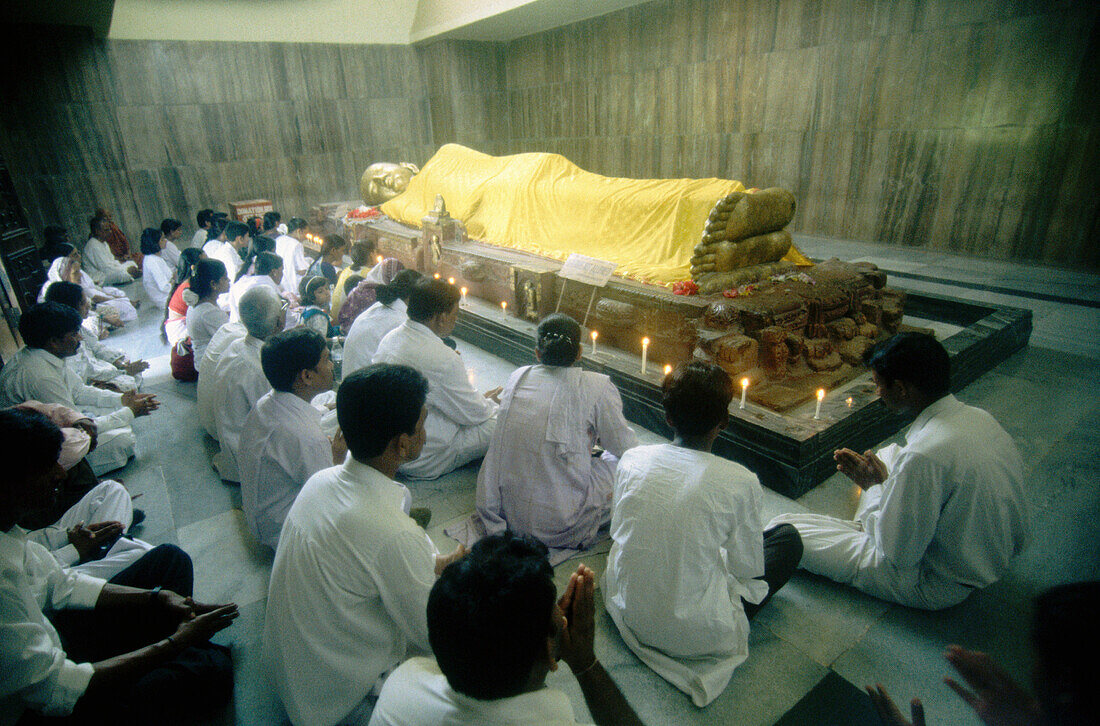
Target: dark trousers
pixel 782 552
pixel 197 680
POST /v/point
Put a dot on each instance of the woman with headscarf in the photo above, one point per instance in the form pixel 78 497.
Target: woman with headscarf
pixel 109 303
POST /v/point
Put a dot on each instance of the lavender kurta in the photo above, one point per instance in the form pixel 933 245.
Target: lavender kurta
pixel 539 476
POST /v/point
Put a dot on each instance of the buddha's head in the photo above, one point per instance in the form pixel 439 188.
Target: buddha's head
pixel 384 180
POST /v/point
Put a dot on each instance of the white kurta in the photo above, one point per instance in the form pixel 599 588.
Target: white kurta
pixel 281 447
pixel 949 518
pixel 460 420
pixel 687 546
pixel 102 266
pixel 539 476
pixel 95 361
pixel 243 285
pixel 367 331
pixel 239 382
pixel 348 595
pixel 107 501
pixel 156 278
pixel 203 321
pixel 36 674
pixel 36 375
pixel 206 399
pixel 295 262
pixel 199 238
pixel 229 257
pixel 417 694
pixel 171 254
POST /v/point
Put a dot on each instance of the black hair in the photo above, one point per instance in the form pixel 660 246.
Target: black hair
pixel 286 354
pixel 489 616
pixel 54 237
pixel 295 224
pixel 150 241
pixel 94 222
pixel 46 321
pixel 259 245
pixel 1064 627
pixel 66 293
pixel 30 444
pixel 350 283
pixel 168 226
pixel 362 253
pixel 255 226
pixel 271 220
pixel 235 229
pixel 430 297
pixel 204 217
pixel 332 242
pixel 559 340
pixel 696 397
pixel 207 273
pixel 399 287
pixel 308 288
pixel 916 358
pixel 189 256
pixel 267 262
pixel 377 403
pixel 217 226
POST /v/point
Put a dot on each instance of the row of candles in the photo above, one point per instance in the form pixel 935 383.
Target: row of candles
pixel 645 354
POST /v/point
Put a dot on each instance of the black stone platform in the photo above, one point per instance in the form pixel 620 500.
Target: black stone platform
pixel 793 452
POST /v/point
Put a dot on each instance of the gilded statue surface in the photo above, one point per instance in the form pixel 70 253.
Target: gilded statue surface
pixel 384 180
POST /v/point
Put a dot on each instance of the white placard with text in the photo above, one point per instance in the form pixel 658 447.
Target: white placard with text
pixel 588 270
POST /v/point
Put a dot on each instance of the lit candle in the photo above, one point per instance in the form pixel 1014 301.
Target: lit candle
pixel 668 369
pixel 450 281
pixel 504 308
pixel 820 398
pixel 436 275
pixel 744 390
pixel 463 291
pixel 379 258
pixel 645 353
pixel 594 336
pixel 849 401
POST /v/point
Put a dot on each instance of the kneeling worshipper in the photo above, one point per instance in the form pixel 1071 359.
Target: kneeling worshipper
pixel 266 270
pixel 101 264
pixel 349 588
pixel 134 649
pixel 939 517
pixel 690 563
pixel 539 476
pixel 460 420
pixel 109 303
pixel 238 380
pixel 157 271
pixel 361 264
pixel 488 617
pixel 174 325
pixel 172 231
pixel 289 246
pixel 204 318
pixel 38 372
pixel 366 292
pixel 95 363
pixel 282 444
pixel 389 312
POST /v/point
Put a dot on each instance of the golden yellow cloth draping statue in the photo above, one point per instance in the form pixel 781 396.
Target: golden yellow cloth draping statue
pixel 545 204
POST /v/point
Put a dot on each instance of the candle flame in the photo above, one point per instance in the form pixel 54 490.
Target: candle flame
pixel 849 401
pixel 668 369
pixel 645 341
pixel 503 304
pixel 744 382
pixel 379 258
pixel 820 393
pixel 436 276
pixel 463 291
pixel 450 280
pixel 595 335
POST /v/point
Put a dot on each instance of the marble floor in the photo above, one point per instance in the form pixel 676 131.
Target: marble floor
pixel 813 632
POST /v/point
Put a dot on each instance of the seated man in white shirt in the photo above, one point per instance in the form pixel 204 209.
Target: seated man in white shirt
pixel 282 444
pixel 38 373
pixel 460 420
pixel 205 221
pixel 100 263
pixel 238 380
pixel 497 632
pixel 229 253
pixel 349 587
pixel 132 650
pixel 388 312
pixel 939 517
pixel 690 563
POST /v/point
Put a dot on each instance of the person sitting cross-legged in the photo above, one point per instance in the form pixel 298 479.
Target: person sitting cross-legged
pixel 349 588
pixel 282 444
pixel 38 372
pixel 497 632
pixel 939 517
pixel 539 476
pixel 238 381
pixel 130 650
pixel 690 563
pixel 460 420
